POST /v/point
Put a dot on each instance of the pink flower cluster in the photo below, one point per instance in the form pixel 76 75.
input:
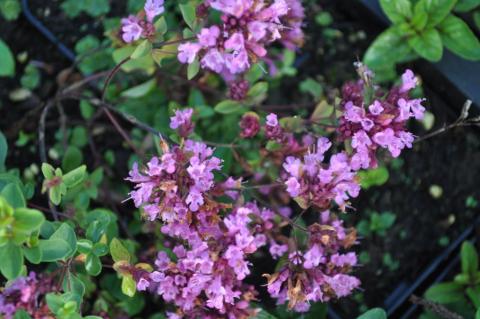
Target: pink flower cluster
pixel 206 278
pixel 248 26
pixel 382 123
pixel 136 27
pixel 312 182
pixel 182 121
pixel 24 293
pixel 175 182
pixel 321 272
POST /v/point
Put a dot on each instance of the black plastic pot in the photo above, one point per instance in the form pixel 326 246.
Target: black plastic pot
pixel 462 74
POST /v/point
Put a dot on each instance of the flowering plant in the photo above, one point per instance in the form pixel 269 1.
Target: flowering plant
pixel 231 207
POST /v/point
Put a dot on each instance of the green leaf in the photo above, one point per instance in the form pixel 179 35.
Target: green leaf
pixel 118 251
pixel 93 265
pixel 397 10
pixel 469 258
pixel 437 10
pixel 375 313
pixel 96 8
pixel 263 314
pixel 10 9
pixel 477 314
pixel 445 293
pixel 380 53
pixel 55 194
pixel 428 45
pixel 459 38
pixel 128 285
pixel 228 107
pixel 140 90
pixel 11 256
pixel 21 314
pixel 54 249
pixel 144 63
pixel 73 158
pixel 313 87
pixel 466 5
pixel 188 14
pixel 420 17
pixel 31 77
pixel 48 171
pixel 100 249
pixel 84 246
pixel 193 69
pixel 143 49
pixel 161 26
pixel 55 302
pixel 373 177
pixel 7 62
pixel 3 151
pixel 65 232
pixel 257 93
pixel 273 146
pixel 28 220
pixel 75 287
pixel 474 294
pixel 317 310
pixel 476 18
pixel 74 177
pixel 33 254
pixel 14 195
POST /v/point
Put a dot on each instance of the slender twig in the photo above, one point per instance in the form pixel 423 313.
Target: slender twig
pixel 129 118
pixel 434 307
pixel 42 147
pixel 164 43
pixel 461 121
pixel 84 81
pixel 121 131
pixel 111 75
pixel 63 124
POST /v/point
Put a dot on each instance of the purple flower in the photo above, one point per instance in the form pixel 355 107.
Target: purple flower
pixel 409 81
pixel 361 140
pixel 340 260
pixel 277 250
pixel 293 166
pixel 237 62
pixel 213 60
pixel 376 108
pixel 208 36
pixel 313 257
pixel 293 187
pixel 153 8
pixel 187 52
pixel 272 120
pixel 248 26
pixel 182 120
pixel 131 29
pixel 142 284
pixel 342 285
pixel 232 7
